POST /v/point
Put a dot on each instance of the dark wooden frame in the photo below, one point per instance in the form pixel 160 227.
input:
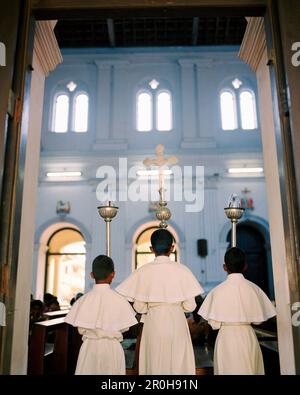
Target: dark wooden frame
pixel 287 134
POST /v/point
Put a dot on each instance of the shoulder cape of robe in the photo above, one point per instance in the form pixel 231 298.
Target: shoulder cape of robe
pixel 161 281
pixel 237 300
pixel 102 308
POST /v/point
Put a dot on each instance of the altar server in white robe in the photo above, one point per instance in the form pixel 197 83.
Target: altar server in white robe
pixel 232 307
pixel 163 291
pixel 101 316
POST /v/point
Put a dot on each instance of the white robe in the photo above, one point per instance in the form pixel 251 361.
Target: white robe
pixel 232 307
pixel 101 316
pixel 162 291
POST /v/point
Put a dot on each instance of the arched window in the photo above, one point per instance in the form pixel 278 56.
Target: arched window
pixel 248 110
pixel 65 264
pixel 144 112
pixel 81 110
pixel 61 113
pixel 238 107
pixel 70 108
pixel 228 110
pixel 164 111
pixel 154 108
pixel 143 254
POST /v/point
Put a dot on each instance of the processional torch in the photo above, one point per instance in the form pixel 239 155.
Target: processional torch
pixel 234 212
pixel 108 212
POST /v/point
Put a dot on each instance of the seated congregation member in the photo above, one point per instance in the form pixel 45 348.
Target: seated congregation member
pixel 162 292
pixel 36 313
pixel 101 316
pixel 232 307
pixel 198 327
pixel 50 303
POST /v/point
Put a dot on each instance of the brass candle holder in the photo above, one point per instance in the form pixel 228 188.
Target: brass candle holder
pixel 234 212
pixel 108 212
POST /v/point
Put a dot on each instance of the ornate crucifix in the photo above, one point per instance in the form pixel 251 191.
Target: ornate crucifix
pixel 161 162
pixel 163 213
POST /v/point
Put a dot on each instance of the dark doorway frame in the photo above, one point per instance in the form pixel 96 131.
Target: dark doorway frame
pixel 268 259
pixel 17 126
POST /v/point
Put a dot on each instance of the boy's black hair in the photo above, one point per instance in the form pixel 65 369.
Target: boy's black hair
pixel 103 266
pixel 161 241
pixel 235 260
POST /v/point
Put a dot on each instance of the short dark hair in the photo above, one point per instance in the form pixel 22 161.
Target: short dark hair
pixel 103 266
pixel 235 260
pixel 161 241
pixel 37 303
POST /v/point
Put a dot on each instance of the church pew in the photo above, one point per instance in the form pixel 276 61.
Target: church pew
pixel 56 314
pixel 135 369
pixel 54 362
pixel 62 358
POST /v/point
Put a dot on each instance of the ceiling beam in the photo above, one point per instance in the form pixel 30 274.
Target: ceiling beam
pixel 227 29
pixel 111 32
pixel 195 30
pixel 89 9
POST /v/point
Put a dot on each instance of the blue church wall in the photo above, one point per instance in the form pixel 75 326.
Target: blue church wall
pixel 195 78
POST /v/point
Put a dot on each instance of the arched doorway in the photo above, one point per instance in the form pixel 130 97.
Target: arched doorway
pixel 142 243
pixel 65 264
pixel 253 243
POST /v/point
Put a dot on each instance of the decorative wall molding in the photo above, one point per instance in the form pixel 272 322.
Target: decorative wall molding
pixel 198 142
pixel 46 46
pixel 254 42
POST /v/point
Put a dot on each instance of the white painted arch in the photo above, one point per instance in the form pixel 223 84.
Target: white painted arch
pixel 42 236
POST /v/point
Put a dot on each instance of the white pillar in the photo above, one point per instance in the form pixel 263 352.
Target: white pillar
pixel 120 102
pixel 103 110
pixel 254 52
pixel 206 139
pixel 284 324
pixel 194 134
pixel 45 58
pixel 188 102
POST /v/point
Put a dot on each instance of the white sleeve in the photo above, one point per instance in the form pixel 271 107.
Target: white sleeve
pixel 189 305
pixel 140 307
pixel 214 324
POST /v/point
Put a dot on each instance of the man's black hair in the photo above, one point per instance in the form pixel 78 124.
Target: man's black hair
pixel 161 241
pixel 235 260
pixel 103 266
